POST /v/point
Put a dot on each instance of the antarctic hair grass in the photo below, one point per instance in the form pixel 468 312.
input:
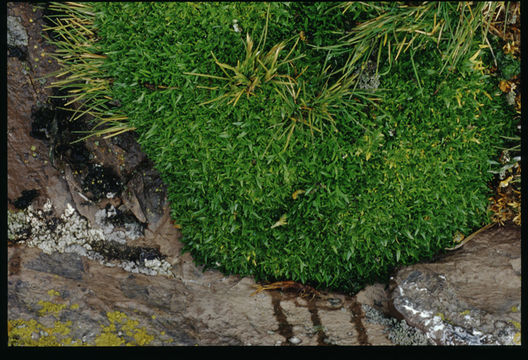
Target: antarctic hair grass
pixel 334 97
pixel 315 109
pixel 400 27
pixel 81 74
pixel 257 68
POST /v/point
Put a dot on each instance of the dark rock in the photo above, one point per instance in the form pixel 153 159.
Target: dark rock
pixel 102 182
pixel 26 198
pixel 77 156
pixel 146 195
pixel 112 250
pixel 19 52
pixel 68 265
pixel 43 121
pixel 133 156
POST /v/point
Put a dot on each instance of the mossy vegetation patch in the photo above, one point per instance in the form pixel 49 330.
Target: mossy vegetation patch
pixel 277 164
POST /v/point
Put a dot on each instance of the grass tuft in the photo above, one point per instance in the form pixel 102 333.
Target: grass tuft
pixel 82 72
pixel 399 26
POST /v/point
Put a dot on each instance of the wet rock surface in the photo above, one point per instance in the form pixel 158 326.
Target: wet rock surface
pixel 472 296
pixel 94 258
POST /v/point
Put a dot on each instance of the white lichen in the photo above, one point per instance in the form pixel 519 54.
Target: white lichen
pixel 74 234
pixel 440 330
pixel 236 27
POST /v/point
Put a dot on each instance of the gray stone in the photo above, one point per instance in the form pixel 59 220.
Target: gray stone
pixel 68 265
pixel 295 340
pixel 398 331
pixel 368 78
pixel 469 297
pixel 16 34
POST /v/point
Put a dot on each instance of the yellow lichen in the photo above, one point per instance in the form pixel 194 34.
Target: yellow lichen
pixel 517 338
pixel 108 338
pixel 142 337
pixel 20 331
pixel 53 293
pixel 33 333
pixel 516 324
pixel 116 316
pixel 50 308
pixel 119 331
pixel 112 334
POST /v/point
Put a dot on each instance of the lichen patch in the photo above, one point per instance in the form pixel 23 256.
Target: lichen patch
pixel 71 233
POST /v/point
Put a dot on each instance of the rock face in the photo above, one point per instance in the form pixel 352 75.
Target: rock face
pixel 472 296
pixel 94 259
pixel 16 34
pixel 102 265
pixel 69 299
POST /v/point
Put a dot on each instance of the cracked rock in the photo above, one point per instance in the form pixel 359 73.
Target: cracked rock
pixel 469 297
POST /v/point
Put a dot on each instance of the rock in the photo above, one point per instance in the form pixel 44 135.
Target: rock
pixel 295 340
pixel 26 198
pixel 398 331
pixel 81 301
pixel 67 265
pixel 368 77
pixel 108 270
pixel 85 269
pixel 16 34
pixel 469 297
pixel 28 157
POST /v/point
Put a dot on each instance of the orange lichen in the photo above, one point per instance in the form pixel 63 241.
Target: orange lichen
pixel 506 203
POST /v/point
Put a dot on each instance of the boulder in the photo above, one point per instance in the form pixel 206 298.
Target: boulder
pixel 471 296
